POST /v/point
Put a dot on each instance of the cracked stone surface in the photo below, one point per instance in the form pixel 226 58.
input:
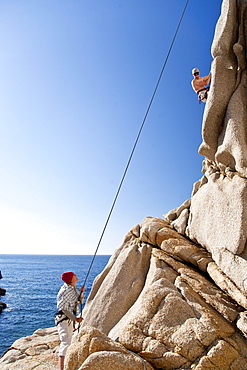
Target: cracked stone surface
pixel 37 351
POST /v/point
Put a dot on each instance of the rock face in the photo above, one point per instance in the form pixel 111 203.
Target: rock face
pixel 37 351
pixel 216 217
pixel 175 317
pixel 174 294
pixel 124 278
pixel 179 315
pixel 94 350
pixel 180 319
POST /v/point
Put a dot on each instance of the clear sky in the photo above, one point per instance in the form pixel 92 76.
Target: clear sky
pixel 76 78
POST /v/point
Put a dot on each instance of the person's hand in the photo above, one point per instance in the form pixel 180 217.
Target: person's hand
pixel 79 319
pixel 82 288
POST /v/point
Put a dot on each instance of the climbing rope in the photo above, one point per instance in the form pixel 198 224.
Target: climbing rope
pixel 136 141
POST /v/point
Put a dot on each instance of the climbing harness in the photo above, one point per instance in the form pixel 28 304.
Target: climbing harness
pixel 202 95
pixel 137 139
pixel 60 317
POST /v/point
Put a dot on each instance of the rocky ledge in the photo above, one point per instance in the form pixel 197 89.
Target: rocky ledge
pixel 37 351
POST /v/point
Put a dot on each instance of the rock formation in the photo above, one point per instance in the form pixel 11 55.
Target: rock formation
pixel 155 306
pixel 180 319
pixel 174 294
pixel 37 351
pixel 216 217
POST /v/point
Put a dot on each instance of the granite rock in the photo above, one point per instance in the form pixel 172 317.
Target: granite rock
pixel 116 289
pixel 37 351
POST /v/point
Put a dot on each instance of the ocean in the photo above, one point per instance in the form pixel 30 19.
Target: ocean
pixel 32 283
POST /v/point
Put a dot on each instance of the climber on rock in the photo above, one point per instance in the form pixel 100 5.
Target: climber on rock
pixel 67 300
pixel 199 84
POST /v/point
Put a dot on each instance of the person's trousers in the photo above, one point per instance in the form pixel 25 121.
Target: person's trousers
pixel 65 331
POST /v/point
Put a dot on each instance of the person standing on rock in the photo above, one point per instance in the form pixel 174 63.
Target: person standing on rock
pixel 199 84
pixel 67 300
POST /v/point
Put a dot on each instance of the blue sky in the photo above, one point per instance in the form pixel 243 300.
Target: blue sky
pixel 76 78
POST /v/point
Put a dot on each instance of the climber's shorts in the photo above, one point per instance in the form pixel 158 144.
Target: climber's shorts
pixel 65 331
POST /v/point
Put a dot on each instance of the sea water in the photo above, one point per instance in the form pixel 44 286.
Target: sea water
pixel 32 283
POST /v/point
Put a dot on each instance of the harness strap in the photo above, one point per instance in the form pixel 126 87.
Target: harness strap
pixel 60 316
pixel 202 94
pixel 205 88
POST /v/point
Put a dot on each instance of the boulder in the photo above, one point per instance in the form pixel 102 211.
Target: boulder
pixel 117 288
pixel 94 350
pixel 179 315
pixel 38 351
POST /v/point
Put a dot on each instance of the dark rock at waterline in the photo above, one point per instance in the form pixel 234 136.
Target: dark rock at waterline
pixel 1 275
pixel 2 306
pixel 2 291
